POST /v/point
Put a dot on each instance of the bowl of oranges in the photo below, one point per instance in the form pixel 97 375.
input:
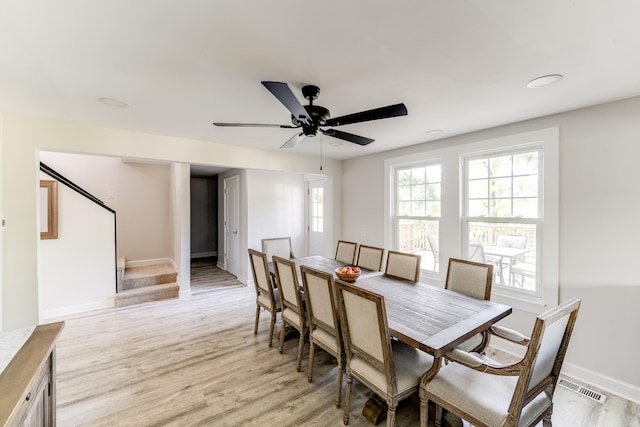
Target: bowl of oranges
pixel 348 274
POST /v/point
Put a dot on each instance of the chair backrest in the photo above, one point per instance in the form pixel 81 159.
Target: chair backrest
pixel 365 331
pixel 475 252
pixel 370 257
pixel 346 251
pixel 511 241
pixel 403 265
pixel 545 353
pixel 261 277
pixel 280 246
pixel 288 285
pixel 319 294
pixel 470 278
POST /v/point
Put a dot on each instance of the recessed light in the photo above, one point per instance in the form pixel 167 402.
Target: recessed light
pixel 335 143
pixel 112 102
pixel 543 81
pixel 434 132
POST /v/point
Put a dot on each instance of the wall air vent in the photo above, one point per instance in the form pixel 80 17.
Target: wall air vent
pixel 593 395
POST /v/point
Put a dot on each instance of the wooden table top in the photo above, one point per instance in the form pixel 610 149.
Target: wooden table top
pixel 430 318
pixel 327 265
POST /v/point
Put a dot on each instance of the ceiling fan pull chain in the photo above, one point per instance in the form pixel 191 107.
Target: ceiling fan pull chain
pixel 320 151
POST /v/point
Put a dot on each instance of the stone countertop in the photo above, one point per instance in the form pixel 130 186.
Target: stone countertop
pixel 11 342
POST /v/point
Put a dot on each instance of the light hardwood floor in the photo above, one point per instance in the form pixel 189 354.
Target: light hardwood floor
pixel 197 362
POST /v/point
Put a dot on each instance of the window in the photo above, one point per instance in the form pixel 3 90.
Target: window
pixel 417 210
pixel 317 209
pixel 495 200
pixel 502 217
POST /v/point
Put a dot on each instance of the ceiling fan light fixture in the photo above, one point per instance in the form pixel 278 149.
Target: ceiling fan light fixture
pixel 544 81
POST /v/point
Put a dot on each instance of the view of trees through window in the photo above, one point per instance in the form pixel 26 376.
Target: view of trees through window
pixel 418 205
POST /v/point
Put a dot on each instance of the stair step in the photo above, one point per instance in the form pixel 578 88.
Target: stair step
pixel 147 294
pixel 150 275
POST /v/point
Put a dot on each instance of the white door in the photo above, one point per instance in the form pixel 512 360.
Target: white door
pixel 231 225
pixel 315 221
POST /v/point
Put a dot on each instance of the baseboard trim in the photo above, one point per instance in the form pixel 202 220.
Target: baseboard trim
pixel 620 388
pixel 605 383
pixel 54 313
pixel 204 254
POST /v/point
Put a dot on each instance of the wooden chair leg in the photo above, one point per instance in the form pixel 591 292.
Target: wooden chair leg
pixel 282 334
pixel 271 328
pixel 339 381
pixel 312 350
pixel 347 398
pixel 255 328
pixel 300 350
pixel 438 420
pixel 391 416
pixel 546 420
pixel 424 408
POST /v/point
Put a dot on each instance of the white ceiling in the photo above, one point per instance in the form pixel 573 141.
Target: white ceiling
pixel 458 66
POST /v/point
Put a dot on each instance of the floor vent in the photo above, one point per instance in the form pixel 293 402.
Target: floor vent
pixel 593 395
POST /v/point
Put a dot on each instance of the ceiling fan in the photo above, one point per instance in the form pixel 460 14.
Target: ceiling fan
pixel 313 118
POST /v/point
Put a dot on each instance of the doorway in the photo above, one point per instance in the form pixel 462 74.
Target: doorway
pixel 316 217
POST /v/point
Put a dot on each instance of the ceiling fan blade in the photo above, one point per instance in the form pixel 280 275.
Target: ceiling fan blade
pixel 294 140
pixel 288 99
pixel 254 125
pixel 356 139
pixel 364 116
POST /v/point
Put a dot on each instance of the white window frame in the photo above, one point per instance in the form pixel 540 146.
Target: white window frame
pixel 396 217
pixel 499 288
pixel 451 233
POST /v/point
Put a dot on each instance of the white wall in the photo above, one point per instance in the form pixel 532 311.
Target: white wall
pixel 276 207
pixel 138 192
pixel 77 271
pixel 24 136
pixel 599 227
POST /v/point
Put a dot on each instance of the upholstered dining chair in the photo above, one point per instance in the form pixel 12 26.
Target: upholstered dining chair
pixel 322 320
pixel 486 393
pixel 293 313
pixel 266 296
pixel 392 370
pixel 280 246
pixel 370 257
pixel 403 265
pixel 472 279
pixel 346 251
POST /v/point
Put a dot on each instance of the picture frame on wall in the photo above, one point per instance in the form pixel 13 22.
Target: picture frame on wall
pixel 48 209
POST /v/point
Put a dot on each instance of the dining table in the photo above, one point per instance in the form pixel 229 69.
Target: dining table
pixel 429 318
pixel 324 264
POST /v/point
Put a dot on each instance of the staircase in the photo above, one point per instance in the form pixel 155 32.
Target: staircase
pixel 140 284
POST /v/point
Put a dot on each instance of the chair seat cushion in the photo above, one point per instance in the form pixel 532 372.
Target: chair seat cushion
pixel 265 301
pixel 325 340
pixel 485 396
pixel 292 318
pixel 410 364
